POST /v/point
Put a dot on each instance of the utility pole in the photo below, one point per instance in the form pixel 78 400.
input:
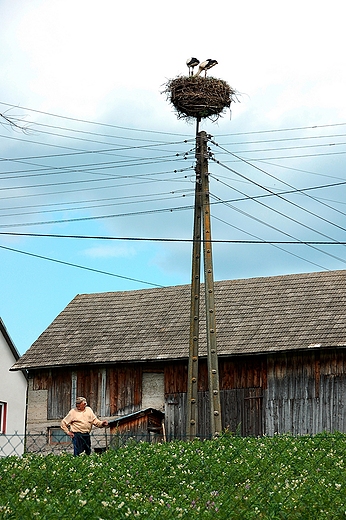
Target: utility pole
pixel 192 385
pixel 202 216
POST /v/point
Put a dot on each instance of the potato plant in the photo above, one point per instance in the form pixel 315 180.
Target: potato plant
pixel 229 478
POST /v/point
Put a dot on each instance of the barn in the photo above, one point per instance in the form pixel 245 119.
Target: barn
pixel 281 344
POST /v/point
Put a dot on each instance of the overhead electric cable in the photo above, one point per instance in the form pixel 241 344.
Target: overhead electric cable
pixel 280 230
pixel 258 240
pixel 283 139
pixel 330 125
pixel 98 206
pixel 94 188
pixel 300 170
pixel 85 152
pixel 289 185
pixel 272 243
pixel 261 159
pixel 99 217
pixel 149 196
pixel 278 149
pixel 79 266
pixel 280 196
pixel 284 129
pixel 108 125
pixel 94 141
pixel 130 198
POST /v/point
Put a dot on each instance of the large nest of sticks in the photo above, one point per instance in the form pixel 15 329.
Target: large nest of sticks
pixel 199 97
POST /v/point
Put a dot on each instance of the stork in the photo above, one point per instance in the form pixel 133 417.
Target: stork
pixel 205 65
pixel 192 63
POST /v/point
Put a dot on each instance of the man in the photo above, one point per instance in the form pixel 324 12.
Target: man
pixel 78 423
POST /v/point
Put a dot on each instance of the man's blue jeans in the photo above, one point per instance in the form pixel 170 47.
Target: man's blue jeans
pixel 81 442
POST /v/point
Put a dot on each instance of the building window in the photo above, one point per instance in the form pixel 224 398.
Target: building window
pixel 57 436
pixel 3 416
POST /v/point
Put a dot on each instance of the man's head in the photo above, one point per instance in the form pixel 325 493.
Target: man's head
pixel 81 403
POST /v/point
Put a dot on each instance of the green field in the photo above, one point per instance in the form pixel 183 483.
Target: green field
pixel 226 478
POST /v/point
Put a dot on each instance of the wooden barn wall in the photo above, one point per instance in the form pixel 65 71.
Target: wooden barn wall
pixel 238 372
pixel 306 392
pixel 242 412
pixel 122 393
pixel 297 392
pixel 58 386
pixel 175 415
pixel 88 385
pixel 243 372
pixel 243 381
pixel 124 384
pixel 59 394
pixel 175 377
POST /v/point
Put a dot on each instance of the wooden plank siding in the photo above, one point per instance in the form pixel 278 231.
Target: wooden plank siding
pixel 306 392
pixel 299 392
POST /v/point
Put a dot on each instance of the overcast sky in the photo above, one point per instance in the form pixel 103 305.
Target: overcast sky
pixel 100 154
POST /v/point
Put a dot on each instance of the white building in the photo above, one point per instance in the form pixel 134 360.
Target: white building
pixel 13 388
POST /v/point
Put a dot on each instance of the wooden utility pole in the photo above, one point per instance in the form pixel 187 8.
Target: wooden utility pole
pixel 192 385
pixel 202 217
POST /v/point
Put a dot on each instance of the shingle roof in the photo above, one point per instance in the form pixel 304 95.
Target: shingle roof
pixel 253 316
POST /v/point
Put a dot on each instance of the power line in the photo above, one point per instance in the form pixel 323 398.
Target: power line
pixel 295 156
pixel 283 198
pixel 93 152
pixel 278 149
pixel 282 232
pixel 79 266
pixel 273 244
pixel 169 133
pixel 93 169
pixel 94 188
pixel 130 198
pixel 99 217
pixel 255 199
pixel 93 206
pixel 177 240
pixel 286 129
pixel 108 125
pixel 283 139
pixel 94 141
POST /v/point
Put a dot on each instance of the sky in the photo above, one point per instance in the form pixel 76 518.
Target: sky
pixel 97 171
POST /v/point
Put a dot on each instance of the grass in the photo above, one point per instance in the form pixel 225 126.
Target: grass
pixel 282 477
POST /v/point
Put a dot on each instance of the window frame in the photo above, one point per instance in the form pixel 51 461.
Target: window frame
pixel 3 417
pixel 65 439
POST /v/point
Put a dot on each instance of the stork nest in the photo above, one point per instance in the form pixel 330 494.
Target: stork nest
pixel 199 97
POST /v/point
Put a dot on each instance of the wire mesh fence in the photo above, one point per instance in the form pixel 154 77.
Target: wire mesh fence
pixel 281 477
pixel 57 442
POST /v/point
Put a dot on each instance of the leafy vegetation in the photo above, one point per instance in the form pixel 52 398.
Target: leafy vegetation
pixel 229 478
